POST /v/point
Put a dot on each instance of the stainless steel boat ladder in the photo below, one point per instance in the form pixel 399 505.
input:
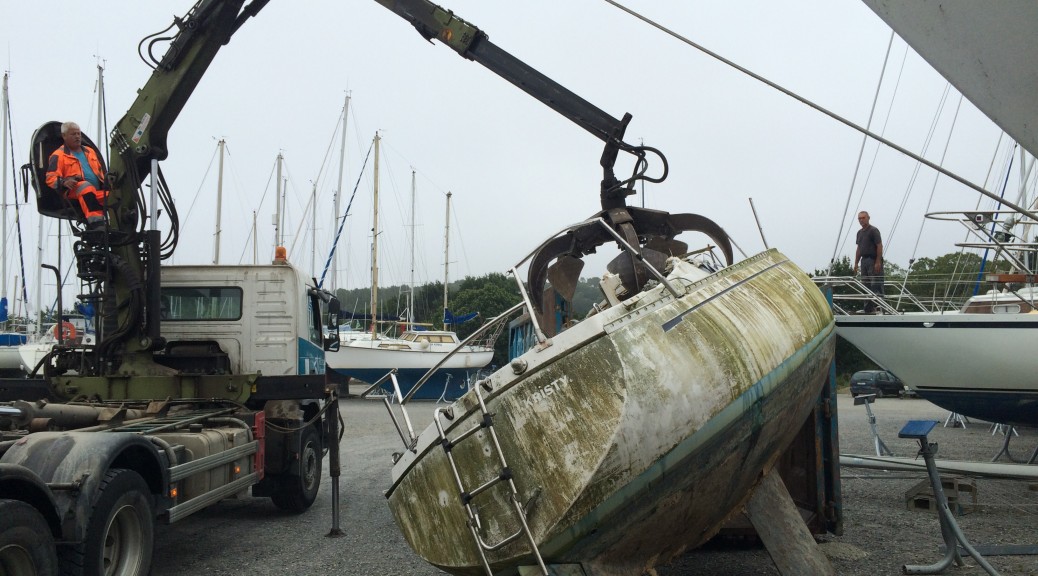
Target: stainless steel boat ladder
pixel 505 475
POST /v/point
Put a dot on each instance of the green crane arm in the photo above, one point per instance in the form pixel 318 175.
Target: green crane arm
pixel 433 21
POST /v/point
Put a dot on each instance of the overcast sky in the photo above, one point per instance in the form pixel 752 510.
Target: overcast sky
pixel 518 170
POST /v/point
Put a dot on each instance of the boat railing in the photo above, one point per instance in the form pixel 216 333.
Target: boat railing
pixel 495 324
pixel 395 395
pixel 993 230
pixel 375 391
pixel 857 293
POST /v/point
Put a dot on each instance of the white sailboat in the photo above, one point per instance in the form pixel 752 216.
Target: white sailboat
pixel 415 351
pixel 976 361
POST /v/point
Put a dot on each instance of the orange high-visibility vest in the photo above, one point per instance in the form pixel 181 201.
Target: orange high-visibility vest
pixel 64 164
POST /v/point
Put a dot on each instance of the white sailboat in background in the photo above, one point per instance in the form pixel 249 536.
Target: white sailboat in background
pixel 976 361
pixel 415 351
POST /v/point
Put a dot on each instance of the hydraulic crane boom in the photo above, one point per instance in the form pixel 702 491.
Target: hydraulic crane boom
pixel 119 265
pixel 433 21
pixel 651 230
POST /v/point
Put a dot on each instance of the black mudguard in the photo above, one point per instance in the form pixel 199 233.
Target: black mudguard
pixel 74 464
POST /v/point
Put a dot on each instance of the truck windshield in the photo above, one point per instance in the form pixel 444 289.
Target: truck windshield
pixel 201 303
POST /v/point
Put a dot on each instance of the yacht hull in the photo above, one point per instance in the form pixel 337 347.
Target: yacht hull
pixel 366 361
pixel 972 364
pixel 10 360
pixel 636 433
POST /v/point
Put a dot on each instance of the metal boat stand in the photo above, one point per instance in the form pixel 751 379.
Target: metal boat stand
pixel 1009 432
pixel 867 400
pixel 953 536
pixel 956 420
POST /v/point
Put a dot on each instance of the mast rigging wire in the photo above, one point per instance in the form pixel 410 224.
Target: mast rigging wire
pixel 342 222
pixel 825 111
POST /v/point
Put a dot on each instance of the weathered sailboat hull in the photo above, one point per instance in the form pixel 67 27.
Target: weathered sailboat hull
pixel 637 432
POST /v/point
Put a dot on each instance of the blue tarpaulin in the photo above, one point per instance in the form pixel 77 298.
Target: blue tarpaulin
pixel 449 318
pixel 12 339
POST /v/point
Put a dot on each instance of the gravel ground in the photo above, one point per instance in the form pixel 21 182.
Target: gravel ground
pixel 250 536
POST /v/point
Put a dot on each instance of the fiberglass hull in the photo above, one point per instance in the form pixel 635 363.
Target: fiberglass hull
pixel 367 362
pixel 637 432
pixel 977 365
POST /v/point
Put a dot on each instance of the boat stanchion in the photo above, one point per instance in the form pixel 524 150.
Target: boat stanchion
pixel 867 400
pixel 953 536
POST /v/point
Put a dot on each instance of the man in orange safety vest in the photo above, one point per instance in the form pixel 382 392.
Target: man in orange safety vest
pixel 76 170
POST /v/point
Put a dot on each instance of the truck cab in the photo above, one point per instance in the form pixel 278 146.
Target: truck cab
pixel 240 319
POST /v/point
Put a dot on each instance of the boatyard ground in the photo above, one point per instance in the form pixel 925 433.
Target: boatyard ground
pixel 881 533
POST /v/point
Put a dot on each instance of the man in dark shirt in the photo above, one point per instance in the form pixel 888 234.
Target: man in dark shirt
pixel 870 254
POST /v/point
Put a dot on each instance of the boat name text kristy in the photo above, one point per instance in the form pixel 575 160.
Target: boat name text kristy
pixel 554 386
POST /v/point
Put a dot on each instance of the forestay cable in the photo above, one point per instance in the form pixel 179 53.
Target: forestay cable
pixel 828 113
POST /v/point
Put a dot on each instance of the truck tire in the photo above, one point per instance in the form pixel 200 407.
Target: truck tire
pixel 297 493
pixel 121 531
pixel 26 542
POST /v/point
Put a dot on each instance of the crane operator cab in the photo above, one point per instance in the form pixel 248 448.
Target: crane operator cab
pixel 50 201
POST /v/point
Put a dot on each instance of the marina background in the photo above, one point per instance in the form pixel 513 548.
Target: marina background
pixel 517 169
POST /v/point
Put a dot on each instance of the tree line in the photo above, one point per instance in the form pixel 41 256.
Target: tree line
pixel 943 282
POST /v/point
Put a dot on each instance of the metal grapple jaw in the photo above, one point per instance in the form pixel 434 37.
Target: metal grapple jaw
pixel 651 235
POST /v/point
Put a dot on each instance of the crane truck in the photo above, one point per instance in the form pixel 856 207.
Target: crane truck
pixel 201 383
pixel 169 411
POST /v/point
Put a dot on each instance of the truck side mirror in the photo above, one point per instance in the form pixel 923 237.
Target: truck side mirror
pixel 331 341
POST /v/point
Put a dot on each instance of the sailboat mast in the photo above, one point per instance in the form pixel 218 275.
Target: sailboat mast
pixel 101 138
pixel 255 250
pixel 219 204
pixel 39 277
pixel 277 214
pixel 3 233
pixel 410 290
pixel 446 256
pixel 338 191
pixel 374 248
pixel 313 229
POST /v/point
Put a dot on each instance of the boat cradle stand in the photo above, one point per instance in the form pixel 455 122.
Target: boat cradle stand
pixel 953 536
pixel 1009 432
pixel 867 400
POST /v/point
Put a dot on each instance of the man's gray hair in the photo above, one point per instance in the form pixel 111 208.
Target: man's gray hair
pixel 66 126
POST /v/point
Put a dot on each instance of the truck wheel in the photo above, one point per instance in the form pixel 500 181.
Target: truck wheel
pixel 296 493
pixel 121 530
pixel 26 542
